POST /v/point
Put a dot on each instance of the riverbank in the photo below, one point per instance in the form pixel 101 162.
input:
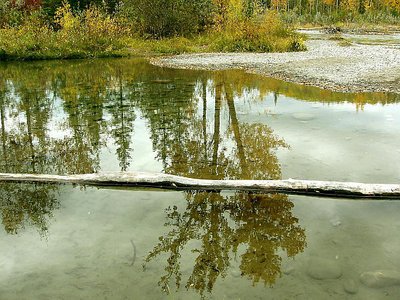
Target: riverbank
pixel 326 64
pixel 94 33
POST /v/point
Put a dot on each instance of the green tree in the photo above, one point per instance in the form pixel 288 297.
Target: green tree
pixel 51 6
pixel 162 18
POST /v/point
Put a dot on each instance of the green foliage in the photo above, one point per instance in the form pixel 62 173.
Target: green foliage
pixel 92 30
pixel 165 27
pixel 50 6
pixel 328 12
pixel 89 34
pixel 29 40
pixel 165 18
pixel 259 32
pixel 10 15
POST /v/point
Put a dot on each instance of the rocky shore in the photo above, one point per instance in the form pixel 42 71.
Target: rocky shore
pixel 326 64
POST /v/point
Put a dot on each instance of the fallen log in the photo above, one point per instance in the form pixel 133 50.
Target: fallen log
pixel 166 181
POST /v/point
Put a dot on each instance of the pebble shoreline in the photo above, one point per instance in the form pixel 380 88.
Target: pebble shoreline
pixel 326 64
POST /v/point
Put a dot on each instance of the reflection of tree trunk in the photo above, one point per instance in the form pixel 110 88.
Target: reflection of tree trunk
pixel 217 122
pixel 276 98
pixel 164 136
pixel 236 131
pixel 121 109
pixel 205 119
pixel 3 135
pixel 29 127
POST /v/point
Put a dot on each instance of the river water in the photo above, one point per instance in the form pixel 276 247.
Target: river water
pixel 65 242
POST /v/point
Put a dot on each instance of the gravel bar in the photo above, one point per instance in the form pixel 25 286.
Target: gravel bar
pixel 326 64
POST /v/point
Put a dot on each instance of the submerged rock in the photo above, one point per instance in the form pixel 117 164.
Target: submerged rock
pixel 335 222
pixel 350 286
pixel 303 116
pixel 380 278
pixel 236 273
pixel 288 268
pixel 320 268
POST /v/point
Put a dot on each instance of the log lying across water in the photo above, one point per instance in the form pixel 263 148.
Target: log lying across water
pixel 165 181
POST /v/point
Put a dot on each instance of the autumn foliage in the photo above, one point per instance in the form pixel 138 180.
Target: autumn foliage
pixel 27 4
pixel 90 34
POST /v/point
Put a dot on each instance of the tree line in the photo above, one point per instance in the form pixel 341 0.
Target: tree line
pixel 201 10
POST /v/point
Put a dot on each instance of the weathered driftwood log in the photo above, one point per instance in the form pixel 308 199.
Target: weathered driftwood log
pixel 165 181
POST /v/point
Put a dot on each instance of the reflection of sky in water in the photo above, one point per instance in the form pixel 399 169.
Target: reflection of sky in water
pixel 333 141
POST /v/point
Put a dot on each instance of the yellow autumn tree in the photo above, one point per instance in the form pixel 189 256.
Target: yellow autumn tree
pixel 393 5
pixel 278 4
pixel 350 5
pixel 329 2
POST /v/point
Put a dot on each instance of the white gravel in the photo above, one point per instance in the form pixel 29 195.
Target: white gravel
pixel 355 68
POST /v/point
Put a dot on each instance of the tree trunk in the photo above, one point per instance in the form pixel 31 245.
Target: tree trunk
pixel 165 181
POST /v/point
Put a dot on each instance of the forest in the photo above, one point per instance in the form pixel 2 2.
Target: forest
pixel 52 29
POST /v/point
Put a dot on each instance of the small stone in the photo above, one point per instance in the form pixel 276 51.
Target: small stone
pixel 303 116
pixel 381 278
pixel 320 268
pixel 336 223
pixel 350 286
pixel 236 273
pixel 287 269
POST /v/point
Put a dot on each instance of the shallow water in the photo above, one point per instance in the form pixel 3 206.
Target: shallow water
pixel 64 242
pixel 388 39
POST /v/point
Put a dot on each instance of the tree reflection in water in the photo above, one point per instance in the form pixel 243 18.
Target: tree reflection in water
pixel 262 223
pixel 52 122
pixel 58 117
pixel 24 149
pixel 23 204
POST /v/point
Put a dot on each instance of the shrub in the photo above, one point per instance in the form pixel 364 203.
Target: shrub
pixel 29 40
pixel 92 30
pixel 88 34
pixel 232 25
pixel 261 32
pixel 166 18
pixel 10 15
pixel 51 6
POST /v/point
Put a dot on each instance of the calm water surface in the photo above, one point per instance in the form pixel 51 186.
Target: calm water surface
pixel 64 242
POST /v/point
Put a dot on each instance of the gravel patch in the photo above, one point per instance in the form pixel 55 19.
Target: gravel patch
pixel 355 68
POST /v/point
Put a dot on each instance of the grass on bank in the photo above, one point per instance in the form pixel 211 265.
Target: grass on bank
pixel 92 33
